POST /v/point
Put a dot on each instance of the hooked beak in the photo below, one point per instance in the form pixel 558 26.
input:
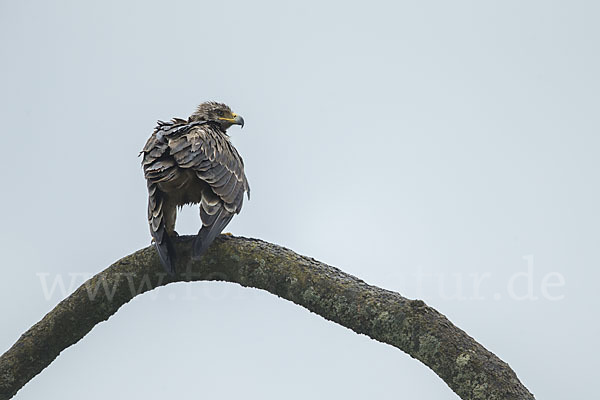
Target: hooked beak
pixel 238 120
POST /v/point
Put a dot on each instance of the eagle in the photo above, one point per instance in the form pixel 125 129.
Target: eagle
pixel 193 162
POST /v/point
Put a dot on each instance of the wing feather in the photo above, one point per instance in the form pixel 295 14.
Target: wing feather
pixel 162 241
pixel 222 169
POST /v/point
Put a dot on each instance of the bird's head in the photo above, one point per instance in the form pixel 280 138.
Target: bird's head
pixel 220 113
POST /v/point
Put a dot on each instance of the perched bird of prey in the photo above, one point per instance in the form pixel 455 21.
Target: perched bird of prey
pixel 189 162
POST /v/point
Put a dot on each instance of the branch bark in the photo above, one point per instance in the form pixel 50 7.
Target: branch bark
pixel 467 367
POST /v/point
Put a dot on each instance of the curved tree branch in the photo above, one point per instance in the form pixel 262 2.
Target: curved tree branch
pixel 410 325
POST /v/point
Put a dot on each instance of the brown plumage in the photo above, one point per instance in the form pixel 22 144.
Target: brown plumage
pixel 189 162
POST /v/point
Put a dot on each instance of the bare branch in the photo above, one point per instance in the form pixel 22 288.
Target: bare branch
pixel 410 325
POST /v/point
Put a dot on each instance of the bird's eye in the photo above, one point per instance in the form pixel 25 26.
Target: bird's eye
pixel 220 113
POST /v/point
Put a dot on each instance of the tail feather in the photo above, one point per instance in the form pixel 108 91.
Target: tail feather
pixel 207 234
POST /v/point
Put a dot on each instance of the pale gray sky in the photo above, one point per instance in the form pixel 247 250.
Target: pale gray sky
pixel 445 150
